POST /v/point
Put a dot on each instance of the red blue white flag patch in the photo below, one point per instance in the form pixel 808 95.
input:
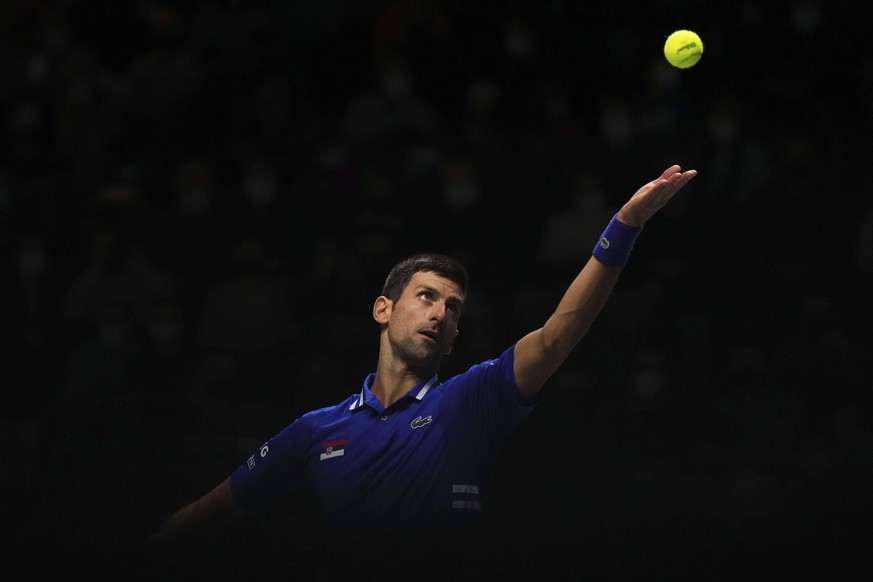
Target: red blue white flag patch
pixel 332 449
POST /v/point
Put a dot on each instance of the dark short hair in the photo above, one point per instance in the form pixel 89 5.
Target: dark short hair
pixel 443 265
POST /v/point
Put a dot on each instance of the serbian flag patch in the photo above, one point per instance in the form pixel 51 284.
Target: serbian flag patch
pixel 333 449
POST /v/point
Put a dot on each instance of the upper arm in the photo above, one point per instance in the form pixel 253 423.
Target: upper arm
pixel 533 365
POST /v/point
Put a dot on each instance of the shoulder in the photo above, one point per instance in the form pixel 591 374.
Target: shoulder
pixel 497 369
pixel 309 422
pixel 327 413
pixel 492 365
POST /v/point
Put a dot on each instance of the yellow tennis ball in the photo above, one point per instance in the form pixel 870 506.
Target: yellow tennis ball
pixel 683 49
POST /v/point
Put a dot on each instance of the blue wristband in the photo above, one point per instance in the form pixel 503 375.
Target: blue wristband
pixel 616 242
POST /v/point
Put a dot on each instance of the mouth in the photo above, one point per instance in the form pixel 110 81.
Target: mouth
pixel 430 334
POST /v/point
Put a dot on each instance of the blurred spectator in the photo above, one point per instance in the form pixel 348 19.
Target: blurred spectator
pixel 864 244
pixel 118 270
pixel 797 196
pixel 740 168
pixel 618 132
pixel 269 207
pixel 245 330
pixel 162 372
pixel 820 364
pixel 770 415
pixel 390 114
pixel 650 412
pixel 191 239
pixel 97 372
pixel 663 114
pixel 31 340
pixel 461 202
pixel 480 126
pixel 413 28
pixel 248 311
pixel 260 185
pixel 273 114
pixel 518 66
pixel 571 232
pixel 422 33
pixel 569 138
pixel 93 439
pixel 740 185
pixel 89 115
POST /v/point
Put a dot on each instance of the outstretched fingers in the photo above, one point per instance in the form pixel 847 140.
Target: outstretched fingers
pixel 655 195
pixel 669 185
pixel 679 179
pixel 671 171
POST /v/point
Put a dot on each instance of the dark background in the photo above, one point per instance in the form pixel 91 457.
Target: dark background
pixel 199 202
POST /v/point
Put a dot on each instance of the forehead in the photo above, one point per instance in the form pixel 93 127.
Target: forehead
pixel 431 280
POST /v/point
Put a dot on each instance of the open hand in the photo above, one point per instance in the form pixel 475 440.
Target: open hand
pixel 654 196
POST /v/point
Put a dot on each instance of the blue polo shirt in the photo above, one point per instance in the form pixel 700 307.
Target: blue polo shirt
pixel 421 464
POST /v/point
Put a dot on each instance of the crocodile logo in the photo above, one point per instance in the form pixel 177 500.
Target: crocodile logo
pixel 420 422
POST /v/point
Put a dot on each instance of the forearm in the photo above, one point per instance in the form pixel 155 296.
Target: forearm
pixel 539 354
pixel 550 345
pixel 587 294
pixel 186 522
pixel 207 514
pixel 578 308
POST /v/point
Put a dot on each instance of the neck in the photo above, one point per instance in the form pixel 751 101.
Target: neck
pixel 393 381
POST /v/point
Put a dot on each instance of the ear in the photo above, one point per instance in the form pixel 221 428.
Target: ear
pixel 452 342
pixel 382 310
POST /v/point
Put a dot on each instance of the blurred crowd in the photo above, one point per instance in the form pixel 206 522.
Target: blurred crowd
pixel 199 201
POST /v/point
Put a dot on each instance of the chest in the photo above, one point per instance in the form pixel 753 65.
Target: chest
pixel 374 455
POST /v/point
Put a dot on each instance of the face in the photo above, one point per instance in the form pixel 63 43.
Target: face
pixel 423 322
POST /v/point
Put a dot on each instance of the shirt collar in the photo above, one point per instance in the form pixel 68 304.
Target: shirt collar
pixel 366 397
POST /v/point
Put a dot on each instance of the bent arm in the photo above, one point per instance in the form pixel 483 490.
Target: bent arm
pixel 540 353
pixel 209 513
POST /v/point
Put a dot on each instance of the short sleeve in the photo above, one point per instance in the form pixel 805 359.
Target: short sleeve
pixel 272 471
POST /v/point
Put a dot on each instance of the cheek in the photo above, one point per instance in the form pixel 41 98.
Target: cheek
pixel 400 321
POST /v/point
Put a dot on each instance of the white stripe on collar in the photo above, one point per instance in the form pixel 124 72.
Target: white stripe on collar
pixel 359 401
pixel 426 387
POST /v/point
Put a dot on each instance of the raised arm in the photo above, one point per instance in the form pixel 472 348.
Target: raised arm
pixel 539 354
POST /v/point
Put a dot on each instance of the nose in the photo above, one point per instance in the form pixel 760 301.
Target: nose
pixel 438 312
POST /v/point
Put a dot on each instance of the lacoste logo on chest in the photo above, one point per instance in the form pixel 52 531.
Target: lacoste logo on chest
pixel 420 422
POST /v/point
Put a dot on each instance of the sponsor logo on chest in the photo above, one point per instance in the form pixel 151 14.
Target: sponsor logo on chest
pixel 420 422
